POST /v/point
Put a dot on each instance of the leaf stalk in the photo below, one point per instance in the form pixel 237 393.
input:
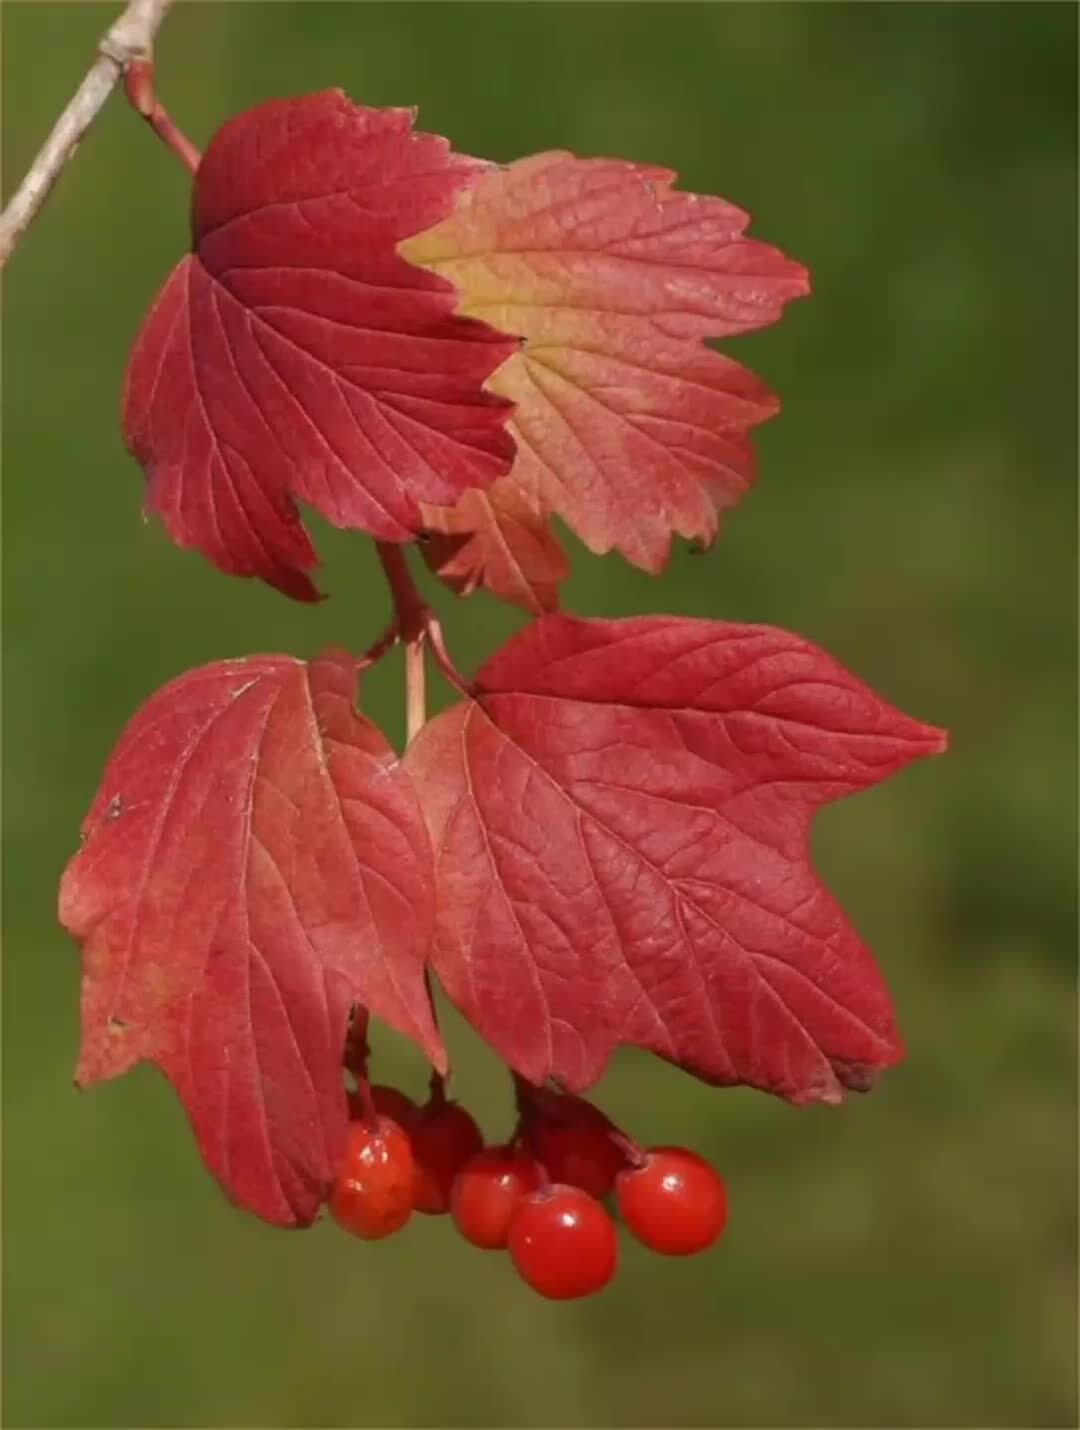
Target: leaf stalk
pixel 417 626
pixel 139 88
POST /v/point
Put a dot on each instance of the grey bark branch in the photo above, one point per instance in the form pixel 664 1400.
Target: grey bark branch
pixel 130 37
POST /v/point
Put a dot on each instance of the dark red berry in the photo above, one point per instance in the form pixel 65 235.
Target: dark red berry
pixel 563 1243
pixel 372 1195
pixel 389 1102
pixel 486 1193
pixel 674 1202
pixel 444 1137
pixel 579 1153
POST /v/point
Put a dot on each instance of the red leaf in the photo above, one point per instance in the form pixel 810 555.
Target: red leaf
pixel 495 539
pixel 626 425
pixel 254 863
pixel 294 354
pixel 621 820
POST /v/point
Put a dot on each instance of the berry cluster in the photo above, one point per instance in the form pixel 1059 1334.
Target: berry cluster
pixel 542 1195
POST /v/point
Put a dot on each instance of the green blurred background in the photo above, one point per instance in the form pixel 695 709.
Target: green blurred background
pixel 908 1260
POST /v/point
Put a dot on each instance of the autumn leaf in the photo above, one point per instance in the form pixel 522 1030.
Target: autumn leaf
pixel 627 426
pixel 496 540
pixel 255 862
pixel 294 355
pixel 621 819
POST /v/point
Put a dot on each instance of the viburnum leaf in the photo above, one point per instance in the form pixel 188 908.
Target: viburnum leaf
pixel 255 863
pixel 295 354
pixel 495 539
pixel 627 426
pixel 621 818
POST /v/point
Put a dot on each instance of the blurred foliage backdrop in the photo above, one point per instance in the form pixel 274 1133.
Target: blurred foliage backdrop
pixel 908 1260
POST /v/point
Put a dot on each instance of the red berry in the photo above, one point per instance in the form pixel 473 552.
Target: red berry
pixel 486 1193
pixel 389 1102
pixel 675 1202
pixel 372 1195
pixel 444 1137
pixel 563 1243
pixel 579 1153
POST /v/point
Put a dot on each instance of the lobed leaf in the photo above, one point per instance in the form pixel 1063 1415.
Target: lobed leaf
pixel 295 355
pixel 626 425
pixel 621 819
pixel 254 864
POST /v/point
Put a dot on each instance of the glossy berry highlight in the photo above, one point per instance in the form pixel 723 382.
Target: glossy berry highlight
pixel 372 1195
pixel 675 1202
pixel 563 1243
pixel 487 1191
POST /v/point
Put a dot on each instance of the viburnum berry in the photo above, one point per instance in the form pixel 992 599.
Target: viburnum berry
pixel 444 1137
pixel 563 1243
pixel 372 1195
pixel 388 1102
pixel 580 1153
pixel 486 1193
pixel 674 1202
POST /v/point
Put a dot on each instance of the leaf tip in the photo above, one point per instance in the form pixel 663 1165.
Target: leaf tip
pixel 802 283
pixel 927 740
pixel 296 584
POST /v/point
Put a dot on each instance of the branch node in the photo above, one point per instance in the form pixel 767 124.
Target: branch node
pixel 122 53
pixel 129 39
